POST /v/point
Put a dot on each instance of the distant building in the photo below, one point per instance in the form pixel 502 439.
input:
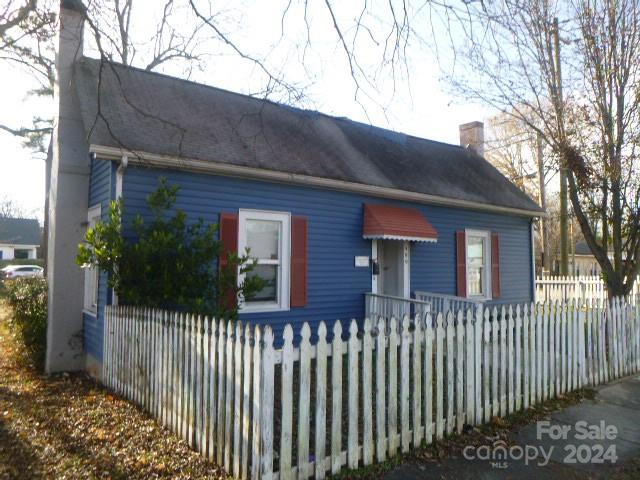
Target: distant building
pixel 581 261
pixel 19 238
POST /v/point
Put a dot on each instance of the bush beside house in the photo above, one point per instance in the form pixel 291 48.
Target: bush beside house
pixel 27 297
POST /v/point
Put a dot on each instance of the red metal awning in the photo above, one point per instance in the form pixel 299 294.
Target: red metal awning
pixel 397 223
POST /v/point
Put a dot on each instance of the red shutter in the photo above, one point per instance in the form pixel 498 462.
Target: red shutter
pixel 461 263
pixel 229 239
pixel 495 265
pixel 298 261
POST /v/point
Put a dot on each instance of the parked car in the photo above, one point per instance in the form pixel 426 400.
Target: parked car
pixel 15 271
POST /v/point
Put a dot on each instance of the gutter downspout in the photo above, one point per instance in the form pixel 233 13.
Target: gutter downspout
pixel 124 162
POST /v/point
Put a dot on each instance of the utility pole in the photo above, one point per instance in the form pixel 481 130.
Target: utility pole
pixel 564 234
pixel 544 230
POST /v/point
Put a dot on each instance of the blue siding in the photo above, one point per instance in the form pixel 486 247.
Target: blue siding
pixel 336 287
pixel 101 191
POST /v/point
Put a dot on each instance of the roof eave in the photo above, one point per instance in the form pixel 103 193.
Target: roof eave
pixel 155 160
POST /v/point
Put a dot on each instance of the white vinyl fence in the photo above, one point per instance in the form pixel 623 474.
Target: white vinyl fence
pixel 579 288
pixel 356 396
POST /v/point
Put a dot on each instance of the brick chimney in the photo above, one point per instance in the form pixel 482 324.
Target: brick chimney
pixel 472 136
pixel 68 199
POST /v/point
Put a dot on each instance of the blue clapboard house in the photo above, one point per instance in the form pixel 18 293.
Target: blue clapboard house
pixel 344 219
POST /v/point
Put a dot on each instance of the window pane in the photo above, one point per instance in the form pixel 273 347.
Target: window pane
pixel 20 254
pixel 475 265
pixel 476 283
pixel 262 238
pixel 269 273
pixel 475 248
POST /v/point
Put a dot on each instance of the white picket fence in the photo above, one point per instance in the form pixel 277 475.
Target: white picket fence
pixel 579 288
pixel 296 412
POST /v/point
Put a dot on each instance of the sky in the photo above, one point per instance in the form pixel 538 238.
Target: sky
pixel 419 103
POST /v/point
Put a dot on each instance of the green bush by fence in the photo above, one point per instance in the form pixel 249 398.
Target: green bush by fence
pixel 28 299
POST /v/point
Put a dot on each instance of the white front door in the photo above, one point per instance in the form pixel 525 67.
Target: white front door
pixel 393 271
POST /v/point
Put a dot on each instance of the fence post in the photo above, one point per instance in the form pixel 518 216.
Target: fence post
pixel 392 403
pixel 287 403
pixel 204 393
pixel 510 367
pixel 479 344
pixel 211 392
pixel 336 398
pixel 545 352
pixel 439 372
pixel 483 315
pixel 380 391
pixel 405 371
pixel 417 380
pixel 304 404
pixel 221 391
pixel 321 400
pixel 495 364
pixel 469 375
pixel 539 315
pixel 199 412
pixel 237 398
pixel 428 377
pixel 503 361
pixel 553 313
pixel 533 352
pixel 450 372
pixel 460 373
pixel 266 418
pixel 367 394
pixel 258 388
pixel 518 353
pixel 352 440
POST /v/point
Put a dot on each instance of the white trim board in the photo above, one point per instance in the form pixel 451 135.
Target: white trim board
pixel 215 168
pixel 401 238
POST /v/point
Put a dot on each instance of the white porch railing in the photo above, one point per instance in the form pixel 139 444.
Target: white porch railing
pixel 441 303
pixel 388 306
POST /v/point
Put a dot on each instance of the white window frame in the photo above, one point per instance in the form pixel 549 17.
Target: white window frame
pixel 284 261
pixel 486 237
pixel 91 276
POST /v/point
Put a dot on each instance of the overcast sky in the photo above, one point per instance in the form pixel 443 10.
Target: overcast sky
pixel 419 105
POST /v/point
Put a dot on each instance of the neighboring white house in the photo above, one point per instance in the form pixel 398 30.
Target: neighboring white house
pixel 19 238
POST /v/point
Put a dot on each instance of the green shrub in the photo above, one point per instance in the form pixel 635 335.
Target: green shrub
pixel 170 262
pixel 28 299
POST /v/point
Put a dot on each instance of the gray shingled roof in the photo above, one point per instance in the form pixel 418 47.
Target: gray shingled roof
pixel 165 115
pixel 19 231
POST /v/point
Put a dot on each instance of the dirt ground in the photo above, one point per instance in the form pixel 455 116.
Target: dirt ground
pixel 69 427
